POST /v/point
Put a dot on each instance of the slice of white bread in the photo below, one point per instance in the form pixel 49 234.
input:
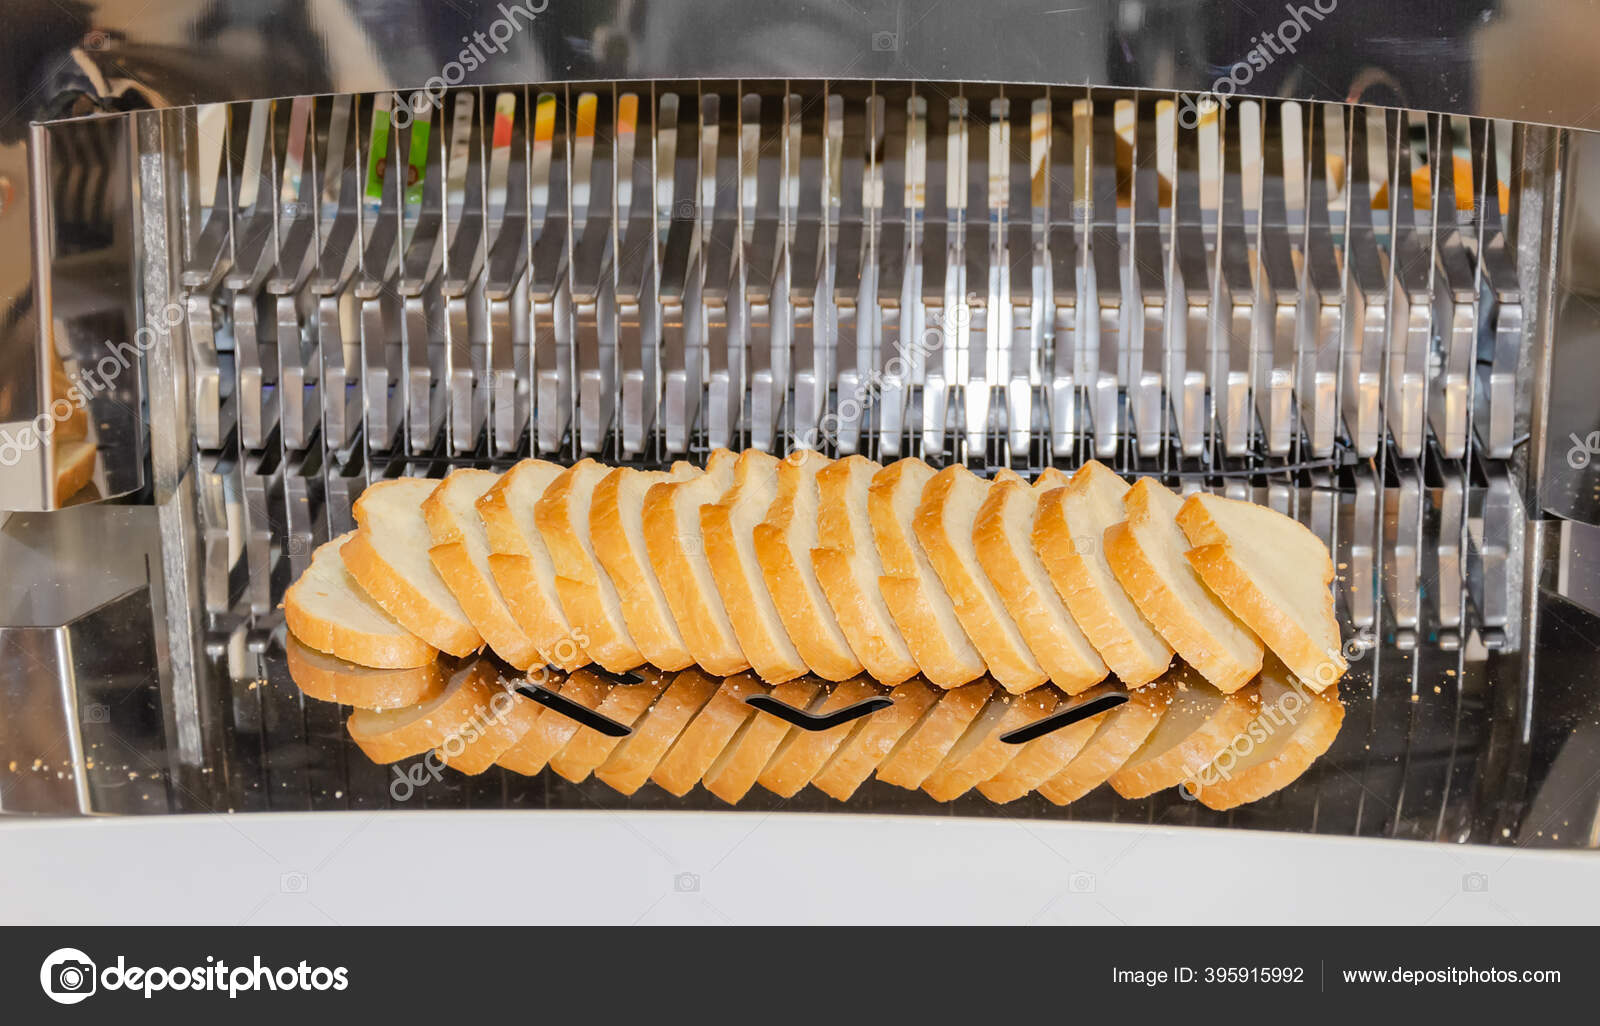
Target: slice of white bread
pixel 630 765
pixel 1067 535
pixel 783 543
pixel 728 527
pixel 803 753
pixel 1002 535
pixel 1274 574
pixel 863 751
pixel 1119 734
pixel 923 747
pixel 493 728
pixel 1199 724
pixel 552 730
pixel 521 563
pixel 388 557
pixel 980 754
pixel 330 679
pixel 390 735
pixel 910 587
pixel 708 734
pixel 944 524
pixel 460 553
pixel 1294 727
pixel 1044 757
pixel 616 528
pixel 848 569
pixel 677 551
pixel 1147 554
pixel 588 595
pixel 735 770
pixel 624 703
pixel 327 611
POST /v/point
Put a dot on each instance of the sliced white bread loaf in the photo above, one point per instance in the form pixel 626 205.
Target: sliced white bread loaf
pixel 1119 734
pixel 1068 535
pixel 677 551
pixel 630 765
pixel 328 611
pixel 944 523
pixel 627 704
pixel 862 752
pixel 588 595
pixel 803 753
pixel 521 563
pixel 1293 728
pixel 922 748
pixel 1044 757
pixel 390 735
pixel 551 730
pixel 460 553
pixel 616 528
pixel 728 527
pixel 1199 724
pixel 1274 574
pixel 1002 535
pixel 330 679
pixel 736 769
pixel 848 569
pixel 783 543
pixel 388 557
pixel 980 754
pixel 1147 554
pixel 709 734
pixel 910 587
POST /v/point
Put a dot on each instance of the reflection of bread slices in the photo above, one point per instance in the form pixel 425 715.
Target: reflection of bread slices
pixel 552 730
pixel 1272 573
pixel 616 527
pixel 1067 534
pixel 734 772
pixel 847 568
pixel 388 557
pixel 1293 728
pixel 862 752
pixel 493 729
pixel 1119 734
pixel 328 611
pixel 460 553
pixel 330 679
pixel 1044 757
pixel 588 595
pixel 1199 724
pixel 630 765
pixel 980 754
pixel 1146 553
pixel 74 462
pixel 729 530
pixel 944 525
pixel 804 752
pixel 673 539
pixel 393 734
pixel 1002 534
pixel 708 734
pixel 626 704
pixel 521 563
pixel 910 587
pixel 926 744
pixel 783 544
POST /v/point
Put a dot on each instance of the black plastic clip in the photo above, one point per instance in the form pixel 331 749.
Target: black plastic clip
pixel 813 721
pixel 1064 716
pixel 583 714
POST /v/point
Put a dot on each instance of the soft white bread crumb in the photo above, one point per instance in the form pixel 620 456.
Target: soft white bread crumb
pixel 616 528
pixel 588 595
pixel 327 610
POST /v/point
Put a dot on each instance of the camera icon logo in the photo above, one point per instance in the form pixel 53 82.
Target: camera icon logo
pixel 97 713
pixel 686 883
pixel 67 976
pixel 1475 883
pixel 292 883
pixel 885 42
pixel 1080 883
